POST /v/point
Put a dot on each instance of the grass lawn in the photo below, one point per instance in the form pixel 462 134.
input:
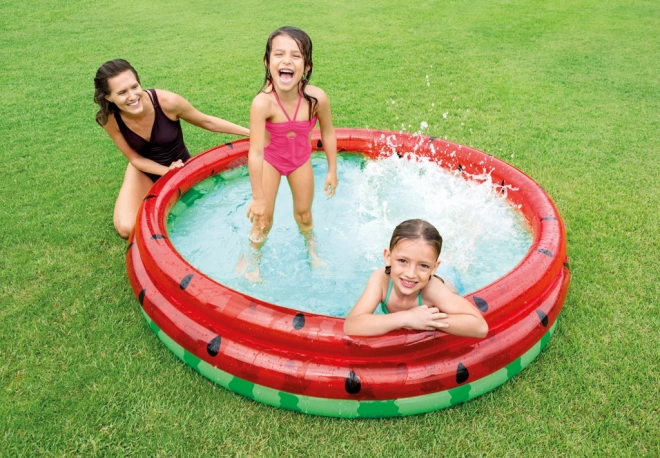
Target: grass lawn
pixel 567 91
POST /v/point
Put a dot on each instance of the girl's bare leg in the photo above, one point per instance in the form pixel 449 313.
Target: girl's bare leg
pixel 261 226
pixel 301 182
pixel 135 187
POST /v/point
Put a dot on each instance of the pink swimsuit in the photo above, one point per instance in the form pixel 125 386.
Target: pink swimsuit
pixel 287 152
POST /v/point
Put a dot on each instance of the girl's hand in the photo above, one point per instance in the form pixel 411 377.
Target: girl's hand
pixel 330 184
pixel 176 165
pixel 256 209
pixel 423 318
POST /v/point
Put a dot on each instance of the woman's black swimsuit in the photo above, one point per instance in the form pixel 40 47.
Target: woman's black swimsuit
pixel 166 143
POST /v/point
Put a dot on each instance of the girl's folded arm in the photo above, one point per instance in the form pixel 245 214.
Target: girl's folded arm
pixel 361 320
pixel 463 318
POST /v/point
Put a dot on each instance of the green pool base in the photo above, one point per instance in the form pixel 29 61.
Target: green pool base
pixel 346 408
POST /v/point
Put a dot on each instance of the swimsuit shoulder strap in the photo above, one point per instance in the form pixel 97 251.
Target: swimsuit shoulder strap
pixel 389 290
pixel 295 115
pixel 154 98
pixel 383 305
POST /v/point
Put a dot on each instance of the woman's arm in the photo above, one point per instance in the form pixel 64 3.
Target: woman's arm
pixel 462 318
pixel 176 106
pixel 328 137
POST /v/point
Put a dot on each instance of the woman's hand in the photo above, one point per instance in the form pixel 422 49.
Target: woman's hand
pixel 176 165
pixel 330 184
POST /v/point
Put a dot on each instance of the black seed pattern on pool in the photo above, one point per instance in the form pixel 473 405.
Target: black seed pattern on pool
pixel 185 281
pixel 214 346
pixel 462 373
pixel 299 321
pixel 480 303
pixel 543 317
pixel 353 383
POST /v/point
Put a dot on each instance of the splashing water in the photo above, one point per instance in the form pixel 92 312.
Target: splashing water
pixel 484 237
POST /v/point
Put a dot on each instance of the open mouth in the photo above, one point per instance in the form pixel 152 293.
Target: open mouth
pixel 286 76
pixel 408 283
pixel 133 104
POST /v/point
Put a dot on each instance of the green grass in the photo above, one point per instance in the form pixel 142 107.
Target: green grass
pixel 567 91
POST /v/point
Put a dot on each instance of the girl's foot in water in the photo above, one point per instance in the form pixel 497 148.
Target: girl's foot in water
pixel 254 276
pixel 316 261
pixel 310 241
pixel 248 268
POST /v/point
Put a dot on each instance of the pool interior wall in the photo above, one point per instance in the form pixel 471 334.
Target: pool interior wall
pixel 484 236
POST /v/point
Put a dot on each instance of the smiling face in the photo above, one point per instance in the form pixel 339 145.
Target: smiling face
pixel 126 93
pixel 412 262
pixel 287 63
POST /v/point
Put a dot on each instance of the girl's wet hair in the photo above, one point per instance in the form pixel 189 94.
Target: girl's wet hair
pixel 305 46
pixel 417 229
pixel 106 71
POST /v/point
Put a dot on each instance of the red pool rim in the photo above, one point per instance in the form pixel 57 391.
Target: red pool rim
pixel 303 361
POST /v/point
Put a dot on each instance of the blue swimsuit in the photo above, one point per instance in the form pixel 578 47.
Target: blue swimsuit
pixel 383 305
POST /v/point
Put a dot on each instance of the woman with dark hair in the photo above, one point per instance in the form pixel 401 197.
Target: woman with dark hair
pixel 145 126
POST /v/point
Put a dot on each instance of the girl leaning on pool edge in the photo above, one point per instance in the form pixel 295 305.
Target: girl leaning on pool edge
pixel 406 293
pixel 145 126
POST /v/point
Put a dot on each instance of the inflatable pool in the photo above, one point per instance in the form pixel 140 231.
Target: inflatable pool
pixel 303 361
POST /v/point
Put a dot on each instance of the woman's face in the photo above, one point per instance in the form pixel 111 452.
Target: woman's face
pixel 126 93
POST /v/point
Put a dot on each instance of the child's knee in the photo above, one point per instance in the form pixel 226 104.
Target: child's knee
pixel 304 219
pixel 264 224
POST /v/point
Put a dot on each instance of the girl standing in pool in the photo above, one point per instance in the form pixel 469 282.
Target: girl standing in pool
pixel 282 117
pixel 406 294
pixel 145 127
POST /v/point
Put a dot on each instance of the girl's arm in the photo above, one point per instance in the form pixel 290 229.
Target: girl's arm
pixel 461 317
pixel 258 116
pixel 328 137
pixel 137 160
pixel 361 320
pixel 176 106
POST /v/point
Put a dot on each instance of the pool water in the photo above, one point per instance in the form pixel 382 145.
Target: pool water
pixel 484 237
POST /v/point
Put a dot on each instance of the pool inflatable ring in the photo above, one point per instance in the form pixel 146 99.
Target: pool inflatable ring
pixel 305 362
